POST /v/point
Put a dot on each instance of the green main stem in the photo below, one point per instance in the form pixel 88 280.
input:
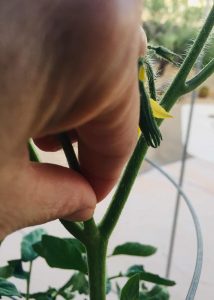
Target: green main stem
pixel 96 255
pixel 95 243
pixel 119 200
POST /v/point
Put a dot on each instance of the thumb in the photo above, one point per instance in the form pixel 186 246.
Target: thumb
pixel 143 42
pixel 40 193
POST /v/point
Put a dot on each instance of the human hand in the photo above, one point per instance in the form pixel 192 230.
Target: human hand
pixel 67 66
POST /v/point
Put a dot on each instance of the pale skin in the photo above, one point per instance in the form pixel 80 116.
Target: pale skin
pixel 66 65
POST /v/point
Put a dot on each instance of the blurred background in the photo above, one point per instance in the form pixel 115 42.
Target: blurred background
pixel 174 24
pixel 148 216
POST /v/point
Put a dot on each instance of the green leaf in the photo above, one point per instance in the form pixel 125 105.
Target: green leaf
pixel 39 249
pixel 41 296
pixel 27 252
pixel 61 253
pixel 67 296
pixel 118 289
pixel 8 289
pixel 14 268
pixel 134 270
pixel 146 276
pixel 156 279
pixel 78 245
pixel 131 289
pixel 77 282
pixel 143 296
pixel 6 271
pixel 108 286
pixel 135 249
pixel 50 294
pixel 158 293
pixel 18 271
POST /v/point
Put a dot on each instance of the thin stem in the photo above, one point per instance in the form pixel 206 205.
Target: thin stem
pixel 90 228
pixel 113 213
pixel 196 81
pixel 116 276
pixel 28 281
pixel 74 228
pixel 69 152
pixel 96 255
pixel 177 88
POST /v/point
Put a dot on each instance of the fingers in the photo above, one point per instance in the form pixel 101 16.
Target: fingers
pixel 43 192
pixel 107 139
pixel 143 43
pixel 59 192
pixel 51 143
pixel 106 143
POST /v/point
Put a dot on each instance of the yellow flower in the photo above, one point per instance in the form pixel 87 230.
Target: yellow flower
pixel 139 132
pixel 142 74
pixel 158 111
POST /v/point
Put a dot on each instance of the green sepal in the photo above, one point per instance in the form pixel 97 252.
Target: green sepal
pixel 150 76
pixel 166 54
pixel 147 122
